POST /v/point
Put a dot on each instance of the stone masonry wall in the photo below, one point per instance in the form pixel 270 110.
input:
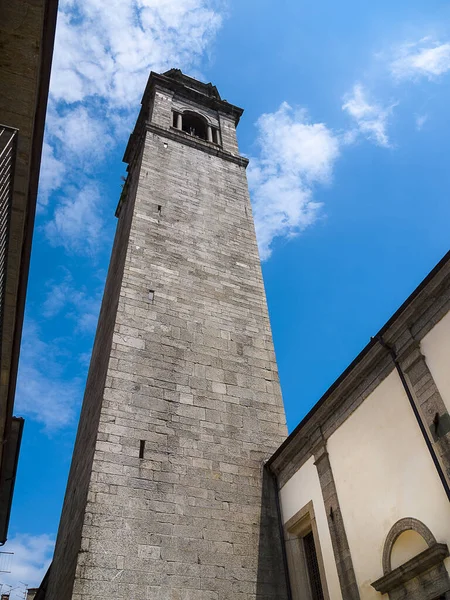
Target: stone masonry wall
pixel 192 375
pixel 68 544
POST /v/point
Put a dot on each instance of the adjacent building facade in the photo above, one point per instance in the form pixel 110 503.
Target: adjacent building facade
pixel 364 479
pixel 27 33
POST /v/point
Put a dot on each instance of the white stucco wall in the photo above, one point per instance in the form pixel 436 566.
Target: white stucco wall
pixel 383 472
pixel 435 346
pixel 304 487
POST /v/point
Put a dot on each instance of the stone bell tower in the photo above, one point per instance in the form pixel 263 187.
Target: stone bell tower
pixel 167 495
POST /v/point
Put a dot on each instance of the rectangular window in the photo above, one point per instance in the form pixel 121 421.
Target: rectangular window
pixel 312 567
pixel 141 449
pixel 305 563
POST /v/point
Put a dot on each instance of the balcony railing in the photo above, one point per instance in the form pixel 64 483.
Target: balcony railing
pixel 8 151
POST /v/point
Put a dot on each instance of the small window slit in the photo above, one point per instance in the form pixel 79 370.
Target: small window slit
pixel 142 449
pixel 151 295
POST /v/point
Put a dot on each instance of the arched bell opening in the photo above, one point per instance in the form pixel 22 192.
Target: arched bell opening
pixel 195 125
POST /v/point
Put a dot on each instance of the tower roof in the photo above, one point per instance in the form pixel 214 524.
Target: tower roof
pixel 183 87
pixel 207 89
pixel 203 93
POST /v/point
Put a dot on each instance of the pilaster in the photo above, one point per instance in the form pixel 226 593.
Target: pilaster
pixel 427 398
pixel 342 556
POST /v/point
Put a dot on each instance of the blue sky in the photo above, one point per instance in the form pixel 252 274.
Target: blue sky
pixel 347 127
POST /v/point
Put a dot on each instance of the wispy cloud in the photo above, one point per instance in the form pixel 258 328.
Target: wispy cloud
pixel 81 136
pixel 77 223
pixel 420 121
pixel 29 563
pixel 370 117
pixel 80 305
pixel 426 58
pixel 101 62
pixel 295 155
pixel 109 53
pixel 45 392
pixel 51 175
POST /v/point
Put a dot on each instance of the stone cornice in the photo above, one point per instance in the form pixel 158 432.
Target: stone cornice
pixel 412 568
pixel 188 140
pixel 180 87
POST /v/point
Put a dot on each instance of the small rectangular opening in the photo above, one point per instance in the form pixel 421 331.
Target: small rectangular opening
pixel 159 208
pixel 174 119
pixel 151 295
pixel 142 449
pixel 312 566
pixel 305 562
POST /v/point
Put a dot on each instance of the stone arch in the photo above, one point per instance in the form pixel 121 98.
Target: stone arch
pixel 196 124
pixel 406 524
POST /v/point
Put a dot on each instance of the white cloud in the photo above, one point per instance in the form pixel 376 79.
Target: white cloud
pixel 110 53
pixel 425 58
pixel 81 136
pixel 370 117
pixel 77 222
pixel 77 304
pixel 295 155
pixel 420 121
pixel 29 563
pixel 84 359
pixel 44 393
pixel 52 174
pixel 101 63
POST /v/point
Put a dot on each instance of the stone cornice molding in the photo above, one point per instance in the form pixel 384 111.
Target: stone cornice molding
pixel 181 88
pixel 414 567
pixel 406 524
pixel 320 451
pixel 194 142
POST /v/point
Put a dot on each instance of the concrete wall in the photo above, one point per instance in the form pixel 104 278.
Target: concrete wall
pixel 302 488
pixel 436 349
pixel 192 374
pixel 383 472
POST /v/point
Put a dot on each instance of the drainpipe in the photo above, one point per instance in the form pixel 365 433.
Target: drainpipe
pixel 415 410
pixel 281 530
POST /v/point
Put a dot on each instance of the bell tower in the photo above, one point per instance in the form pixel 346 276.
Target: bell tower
pixel 167 497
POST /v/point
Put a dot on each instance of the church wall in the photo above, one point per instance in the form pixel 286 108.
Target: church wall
pixel 302 488
pixel 376 472
pixel 436 348
pixel 383 472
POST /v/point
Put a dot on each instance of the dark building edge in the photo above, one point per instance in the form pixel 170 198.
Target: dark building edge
pixel 48 41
